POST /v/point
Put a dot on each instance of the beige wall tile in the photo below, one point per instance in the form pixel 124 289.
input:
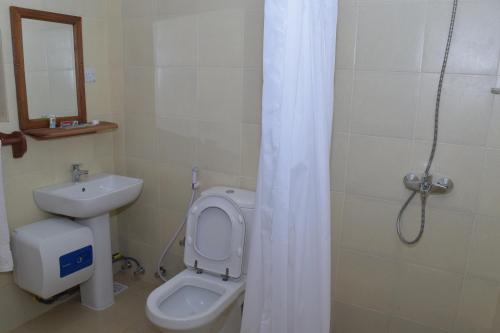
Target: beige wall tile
pixel 465 111
pixel 445 244
pixel 220 38
pixel 366 281
pixel 175 7
pixel 346 36
pixel 252 96
pixel 148 172
pixel 384 104
pixel 475 48
pixel 94 40
pixel 352 319
pixel 139 90
pixel 141 223
pixel 71 7
pixel 175 41
pixel 398 325
pixel 96 9
pixel 248 183
pixel 135 9
pixel 210 179
pixel 174 186
pixel 177 140
pixel 484 249
pixel 489 191
pixel 219 147
pixel 344 82
pixel 203 5
pixel 336 206
pixel 338 161
pixel 175 92
pixel 253 35
pixel 427 296
pixel 8 91
pixel 478 306
pixel 398 43
pixel 376 166
pixel 138 46
pixel 219 94
pixel 250 147
pixel 369 226
pixel 140 138
pixel 494 129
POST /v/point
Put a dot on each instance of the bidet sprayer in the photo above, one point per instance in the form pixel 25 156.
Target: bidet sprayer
pixel 194 178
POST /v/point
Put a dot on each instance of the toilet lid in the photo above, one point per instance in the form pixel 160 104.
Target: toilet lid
pixel 215 235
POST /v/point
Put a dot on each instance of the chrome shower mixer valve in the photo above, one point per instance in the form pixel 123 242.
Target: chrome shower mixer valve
pixel 425 184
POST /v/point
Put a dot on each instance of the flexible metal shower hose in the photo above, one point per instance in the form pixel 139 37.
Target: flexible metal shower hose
pixel 423 194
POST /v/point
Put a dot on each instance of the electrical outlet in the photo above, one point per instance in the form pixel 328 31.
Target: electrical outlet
pixel 90 75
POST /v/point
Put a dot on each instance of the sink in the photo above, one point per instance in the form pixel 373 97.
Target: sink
pixel 89 203
pixel 93 197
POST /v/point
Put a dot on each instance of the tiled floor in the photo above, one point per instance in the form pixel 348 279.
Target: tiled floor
pixel 125 316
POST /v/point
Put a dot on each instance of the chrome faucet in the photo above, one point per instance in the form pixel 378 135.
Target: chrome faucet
pixel 76 172
pixel 426 186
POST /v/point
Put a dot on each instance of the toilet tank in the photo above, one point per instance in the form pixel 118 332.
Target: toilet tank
pixel 246 201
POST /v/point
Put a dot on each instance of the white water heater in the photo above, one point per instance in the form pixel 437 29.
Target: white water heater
pixel 51 256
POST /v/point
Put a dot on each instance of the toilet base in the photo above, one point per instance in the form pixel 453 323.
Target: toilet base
pixel 228 322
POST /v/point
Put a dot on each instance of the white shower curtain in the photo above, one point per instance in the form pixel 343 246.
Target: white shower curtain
pixel 288 282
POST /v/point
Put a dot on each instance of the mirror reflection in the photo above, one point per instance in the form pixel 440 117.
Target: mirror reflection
pixel 49 62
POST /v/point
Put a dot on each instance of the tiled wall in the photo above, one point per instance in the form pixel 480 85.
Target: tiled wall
pixel 48 162
pixel 388 60
pixel 192 97
pixel 188 76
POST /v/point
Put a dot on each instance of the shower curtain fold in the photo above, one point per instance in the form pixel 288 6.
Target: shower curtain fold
pixel 288 283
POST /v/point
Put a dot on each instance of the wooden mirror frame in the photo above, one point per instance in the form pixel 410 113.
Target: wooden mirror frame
pixel 16 16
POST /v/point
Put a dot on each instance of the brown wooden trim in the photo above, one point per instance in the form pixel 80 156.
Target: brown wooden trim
pixel 16 16
pixel 55 133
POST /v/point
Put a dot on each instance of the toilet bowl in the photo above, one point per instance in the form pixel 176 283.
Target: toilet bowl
pixel 208 295
pixel 191 301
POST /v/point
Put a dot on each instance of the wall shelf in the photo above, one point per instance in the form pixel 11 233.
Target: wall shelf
pixel 56 133
pixel 18 142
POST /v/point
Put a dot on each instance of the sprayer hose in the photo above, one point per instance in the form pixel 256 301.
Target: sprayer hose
pixel 423 195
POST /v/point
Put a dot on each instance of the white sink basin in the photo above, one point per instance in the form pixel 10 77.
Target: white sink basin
pixel 96 196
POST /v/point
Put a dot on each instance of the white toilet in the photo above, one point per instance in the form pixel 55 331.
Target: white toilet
pixel 208 295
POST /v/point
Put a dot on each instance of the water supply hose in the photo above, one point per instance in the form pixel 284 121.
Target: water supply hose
pixel 424 192
pixel 194 191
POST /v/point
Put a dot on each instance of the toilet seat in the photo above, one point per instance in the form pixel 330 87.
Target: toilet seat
pixel 191 300
pixel 215 236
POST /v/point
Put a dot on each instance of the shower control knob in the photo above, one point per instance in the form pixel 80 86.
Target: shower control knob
pixel 412 182
pixel 442 185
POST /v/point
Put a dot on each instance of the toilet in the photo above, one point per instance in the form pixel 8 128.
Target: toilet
pixel 207 297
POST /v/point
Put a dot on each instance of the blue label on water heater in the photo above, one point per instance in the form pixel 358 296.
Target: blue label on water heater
pixel 74 261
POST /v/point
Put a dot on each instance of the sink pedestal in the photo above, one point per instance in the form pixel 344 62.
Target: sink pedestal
pixel 89 203
pixel 97 292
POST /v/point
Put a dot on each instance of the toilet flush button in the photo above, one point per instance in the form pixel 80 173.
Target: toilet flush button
pixel 189 240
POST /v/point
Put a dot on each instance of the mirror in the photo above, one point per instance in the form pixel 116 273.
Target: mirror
pixel 48 60
pixel 49 68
